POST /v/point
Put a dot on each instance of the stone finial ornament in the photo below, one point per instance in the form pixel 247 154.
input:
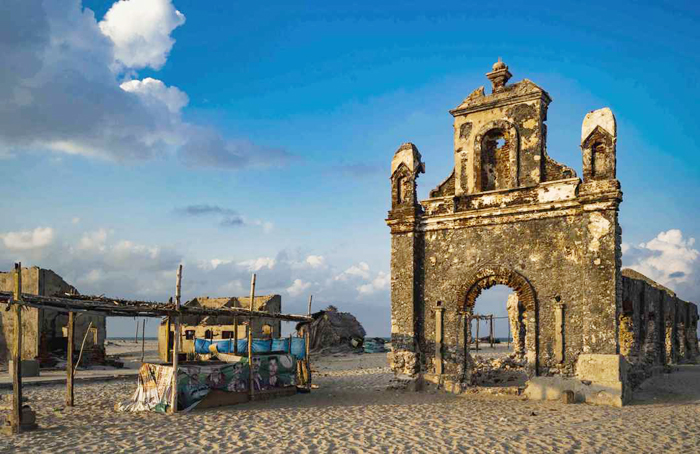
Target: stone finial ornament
pixel 499 76
pixel 599 145
pixel 408 155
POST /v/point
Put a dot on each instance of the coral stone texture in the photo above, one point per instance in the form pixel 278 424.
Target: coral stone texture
pixel 509 214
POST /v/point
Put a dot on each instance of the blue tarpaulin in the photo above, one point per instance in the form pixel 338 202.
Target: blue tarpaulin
pixel 203 346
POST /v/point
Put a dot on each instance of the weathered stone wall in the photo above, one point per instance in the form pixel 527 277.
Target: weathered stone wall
pixel 659 328
pixel 508 214
pixel 40 326
pixel 30 316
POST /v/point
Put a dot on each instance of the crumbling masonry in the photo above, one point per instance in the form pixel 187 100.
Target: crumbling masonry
pixel 509 214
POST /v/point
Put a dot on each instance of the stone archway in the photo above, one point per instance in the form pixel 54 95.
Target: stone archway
pixel 490 276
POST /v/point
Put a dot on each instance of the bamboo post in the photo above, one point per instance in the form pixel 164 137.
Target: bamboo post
pixel 250 337
pixel 136 336
pixel 508 334
pixel 17 354
pixel 80 355
pixel 176 341
pixel 143 339
pixel 478 322
pixel 491 330
pixel 235 335
pixel 307 342
pixel 69 363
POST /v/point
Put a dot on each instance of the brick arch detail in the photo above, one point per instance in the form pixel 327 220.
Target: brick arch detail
pixel 487 277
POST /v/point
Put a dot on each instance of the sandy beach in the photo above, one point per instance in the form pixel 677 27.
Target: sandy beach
pixel 354 411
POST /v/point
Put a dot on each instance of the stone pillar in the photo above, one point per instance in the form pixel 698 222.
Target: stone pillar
pixel 602 279
pixel 516 325
pixel 406 256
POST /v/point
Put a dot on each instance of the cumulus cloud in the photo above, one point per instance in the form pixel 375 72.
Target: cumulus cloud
pixel 28 239
pixel 62 88
pixel 153 92
pixel 379 283
pixel 360 270
pixel 101 262
pixel 315 261
pixel 298 287
pixel 670 259
pixel 93 240
pixel 141 31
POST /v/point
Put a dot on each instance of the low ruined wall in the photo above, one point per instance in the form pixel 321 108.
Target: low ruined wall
pixel 657 328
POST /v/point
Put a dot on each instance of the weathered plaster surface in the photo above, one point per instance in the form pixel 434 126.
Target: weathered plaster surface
pixel 508 214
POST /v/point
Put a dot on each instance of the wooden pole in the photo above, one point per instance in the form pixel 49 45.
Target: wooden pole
pixel 143 339
pixel 307 342
pixel 176 341
pixel 508 334
pixel 80 355
pixel 69 363
pixel 17 354
pixel 491 330
pixel 235 335
pixel 250 338
pixel 478 322
pixel 136 336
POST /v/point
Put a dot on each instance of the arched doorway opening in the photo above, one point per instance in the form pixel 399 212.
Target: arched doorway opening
pixel 495 337
pixel 500 328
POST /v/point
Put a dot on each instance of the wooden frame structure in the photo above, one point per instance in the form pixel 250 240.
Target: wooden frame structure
pixel 114 307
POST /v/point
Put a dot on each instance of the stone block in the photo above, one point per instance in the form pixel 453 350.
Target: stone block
pixel 602 368
pixel 30 368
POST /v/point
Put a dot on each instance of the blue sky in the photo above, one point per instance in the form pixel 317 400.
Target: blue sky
pixel 262 139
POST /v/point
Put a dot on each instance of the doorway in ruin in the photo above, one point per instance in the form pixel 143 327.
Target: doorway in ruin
pixel 499 329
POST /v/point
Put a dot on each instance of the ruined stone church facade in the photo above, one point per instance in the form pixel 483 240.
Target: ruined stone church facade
pixel 509 214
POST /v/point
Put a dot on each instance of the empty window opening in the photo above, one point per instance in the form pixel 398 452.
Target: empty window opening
pixel 227 334
pixel 495 158
pixel 189 334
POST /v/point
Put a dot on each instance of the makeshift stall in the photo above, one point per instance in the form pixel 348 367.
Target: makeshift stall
pixel 210 384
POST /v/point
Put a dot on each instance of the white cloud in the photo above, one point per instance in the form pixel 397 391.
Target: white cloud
pixel 298 287
pixel 57 50
pixel 379 283
pixel 669 258
pixel 93 240
pixel 140 30
pixel 153 91
pixel 316 261
pixel 360 270
pixel 259 263
pixel 75 221
pixel 100 262
pixel 28 239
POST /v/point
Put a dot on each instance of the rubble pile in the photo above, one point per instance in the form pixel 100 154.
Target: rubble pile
pixel 503 370
pixel 333 332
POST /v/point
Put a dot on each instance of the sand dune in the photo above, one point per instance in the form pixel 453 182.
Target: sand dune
pixel 353 411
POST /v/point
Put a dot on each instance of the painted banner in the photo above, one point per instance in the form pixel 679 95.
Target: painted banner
pixel 195 381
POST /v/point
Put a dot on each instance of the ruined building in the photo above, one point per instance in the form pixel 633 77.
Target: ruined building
pixel 509 214
pixel 219 328
pixel 45 331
